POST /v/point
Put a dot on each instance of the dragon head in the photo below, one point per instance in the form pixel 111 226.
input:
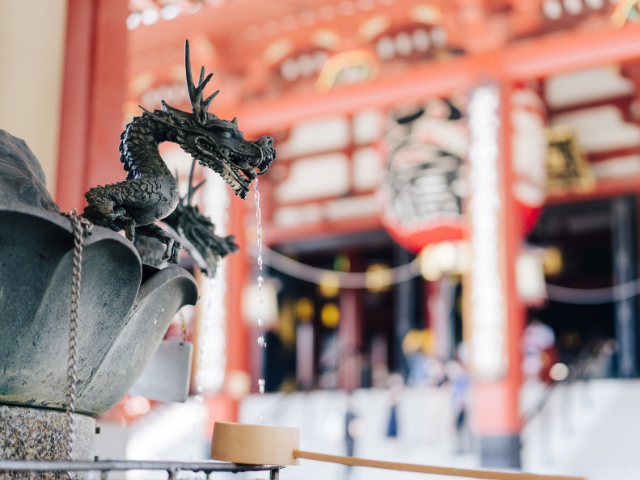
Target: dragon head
pixel 217 143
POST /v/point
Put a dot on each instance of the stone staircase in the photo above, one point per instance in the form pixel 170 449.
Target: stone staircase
pixel 589 429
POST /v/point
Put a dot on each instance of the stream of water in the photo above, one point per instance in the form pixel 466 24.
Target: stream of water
pixel 261 340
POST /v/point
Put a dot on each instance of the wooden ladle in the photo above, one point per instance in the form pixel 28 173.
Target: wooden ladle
pixel 261 445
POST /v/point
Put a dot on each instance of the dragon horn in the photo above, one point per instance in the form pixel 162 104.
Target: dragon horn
pixel 198 186
pixel 198 107
pixel 201 76
pixel 207 102
pixel 235 121
pixel 187 66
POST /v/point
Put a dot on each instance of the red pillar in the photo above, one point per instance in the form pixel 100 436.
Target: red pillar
pixel 494 330
pixel 75 104
pixel 237 332
pixel 94 90
pixel 349 371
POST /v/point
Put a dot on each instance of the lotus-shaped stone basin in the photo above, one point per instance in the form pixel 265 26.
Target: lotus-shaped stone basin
pixel 125 310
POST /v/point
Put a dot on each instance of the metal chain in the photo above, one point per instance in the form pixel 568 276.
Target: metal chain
pixel 183 328
pixel 81 227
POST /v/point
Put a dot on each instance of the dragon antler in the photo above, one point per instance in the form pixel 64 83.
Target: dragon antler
pixel 187 200
pixel 198 106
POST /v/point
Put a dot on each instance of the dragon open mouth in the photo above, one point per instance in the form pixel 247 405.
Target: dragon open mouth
pixel 215 143
pixel 236 168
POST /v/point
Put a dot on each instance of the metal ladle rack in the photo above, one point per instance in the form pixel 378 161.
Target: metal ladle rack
pixel 106 466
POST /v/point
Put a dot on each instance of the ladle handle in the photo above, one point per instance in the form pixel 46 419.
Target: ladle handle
pixel 408 467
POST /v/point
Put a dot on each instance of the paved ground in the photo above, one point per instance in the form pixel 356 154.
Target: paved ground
pixel 590 430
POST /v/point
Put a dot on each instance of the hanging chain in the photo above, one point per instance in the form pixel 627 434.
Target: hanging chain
pixel 183 328
pixel 81 227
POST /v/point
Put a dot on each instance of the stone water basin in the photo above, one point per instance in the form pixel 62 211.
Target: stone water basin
pixel 125 310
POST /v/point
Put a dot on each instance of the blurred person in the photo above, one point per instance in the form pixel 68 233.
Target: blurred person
pixel 353 429
pixel 412 347
pixel 418 347
pixel 435 370
pixel 418 369
pixel 352 425
pixel 328 362
pixel 460 382
pixel 395 385
pixel 539 351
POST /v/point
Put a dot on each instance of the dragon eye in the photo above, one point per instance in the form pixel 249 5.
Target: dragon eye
pixel 224 134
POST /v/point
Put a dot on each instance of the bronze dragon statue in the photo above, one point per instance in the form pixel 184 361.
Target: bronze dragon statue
pixel 150 191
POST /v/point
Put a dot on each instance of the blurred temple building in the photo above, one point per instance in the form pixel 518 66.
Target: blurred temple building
pixel 455 200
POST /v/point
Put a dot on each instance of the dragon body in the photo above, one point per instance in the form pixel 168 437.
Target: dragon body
pixel 194 231
pixel 150 191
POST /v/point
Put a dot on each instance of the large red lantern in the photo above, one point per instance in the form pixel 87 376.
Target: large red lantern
pixel 422 195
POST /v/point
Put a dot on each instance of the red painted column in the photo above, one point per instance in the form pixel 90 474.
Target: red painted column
pixel 237 331
pixel 108 94
pixel 76 90
pixel 94 89
pixel 497 332
pixel 349 336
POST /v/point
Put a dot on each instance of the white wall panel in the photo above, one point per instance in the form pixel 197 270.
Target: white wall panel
pixel 320 135
pixel 585 86
pixel 600 129
pixel 315 177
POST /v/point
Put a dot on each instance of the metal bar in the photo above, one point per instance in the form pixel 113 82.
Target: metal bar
pixel 624 252
pixel 108 465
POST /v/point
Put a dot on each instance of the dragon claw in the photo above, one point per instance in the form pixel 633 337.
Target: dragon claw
pixel 175 253
pixel 117 213
pixel 130 230
pixel 172 252
pixel 168 251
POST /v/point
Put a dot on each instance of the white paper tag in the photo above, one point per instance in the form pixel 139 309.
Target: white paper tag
pixel 168 374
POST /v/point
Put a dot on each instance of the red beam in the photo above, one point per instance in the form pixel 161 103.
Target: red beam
pixel 605 188
pixel 572 50
pixel 417 83
pixel 529 59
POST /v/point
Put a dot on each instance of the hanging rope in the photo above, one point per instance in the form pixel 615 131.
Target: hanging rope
pixel 593 296
pixel 378 278
pixel 406 272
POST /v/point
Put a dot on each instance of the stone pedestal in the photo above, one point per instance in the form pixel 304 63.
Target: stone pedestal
pixel 39 434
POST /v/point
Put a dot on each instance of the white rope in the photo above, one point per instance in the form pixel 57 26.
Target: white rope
pixel 593 296
pixel 406 272
pixel 379 278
